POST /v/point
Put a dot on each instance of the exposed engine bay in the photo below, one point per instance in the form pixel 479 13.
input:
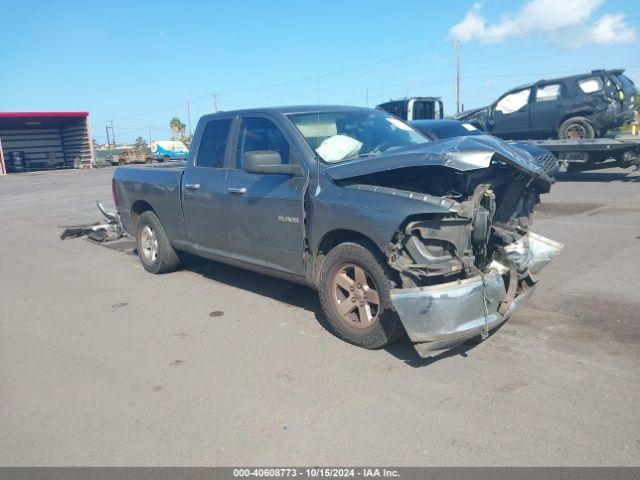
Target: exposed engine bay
pixel 491 208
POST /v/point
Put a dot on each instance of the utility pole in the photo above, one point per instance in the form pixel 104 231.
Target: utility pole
pixel 106 127
pixel 457 47
pixel 214 97
pixel 113 135
pixel 189 117
pixel 149 136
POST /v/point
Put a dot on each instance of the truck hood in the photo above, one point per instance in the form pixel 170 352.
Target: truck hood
pixel 458 153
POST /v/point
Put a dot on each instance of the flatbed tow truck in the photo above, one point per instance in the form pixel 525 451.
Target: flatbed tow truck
pixel 575 155
pixel 593 154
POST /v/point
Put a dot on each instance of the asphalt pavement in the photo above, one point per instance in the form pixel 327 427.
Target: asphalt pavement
pixel 102 363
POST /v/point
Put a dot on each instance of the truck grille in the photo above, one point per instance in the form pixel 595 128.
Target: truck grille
pixel 549 163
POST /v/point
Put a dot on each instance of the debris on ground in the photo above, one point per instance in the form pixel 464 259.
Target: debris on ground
pixel 98 232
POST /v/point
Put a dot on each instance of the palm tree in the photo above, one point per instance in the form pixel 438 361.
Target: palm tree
pixel 177 128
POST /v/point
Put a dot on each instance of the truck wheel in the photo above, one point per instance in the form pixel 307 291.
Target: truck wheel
pixel 576 128
pixel 121 162
pixel 354 289
pixel 154 248
pixel 166 158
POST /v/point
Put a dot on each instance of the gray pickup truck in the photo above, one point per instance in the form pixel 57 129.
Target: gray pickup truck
pixel 399 234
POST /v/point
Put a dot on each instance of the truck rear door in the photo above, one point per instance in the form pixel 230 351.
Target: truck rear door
pixel 265 210
pixel 204 188
pixel 548 107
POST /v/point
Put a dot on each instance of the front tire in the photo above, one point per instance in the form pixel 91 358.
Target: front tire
pixel 155 251
pixel 354 289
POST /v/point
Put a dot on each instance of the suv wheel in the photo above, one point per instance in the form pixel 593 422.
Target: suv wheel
pixel 576 128
pixel 354 289
pixel 154 248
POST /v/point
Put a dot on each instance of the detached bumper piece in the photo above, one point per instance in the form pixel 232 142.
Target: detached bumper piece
pixel 440 317
pixel 98 232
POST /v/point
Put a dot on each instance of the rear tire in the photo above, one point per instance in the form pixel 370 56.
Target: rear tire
pixel 576 128
pixel 354 289
pixel 166 158
pixel 155 251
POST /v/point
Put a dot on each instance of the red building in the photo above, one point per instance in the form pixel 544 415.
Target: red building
pixel 44 140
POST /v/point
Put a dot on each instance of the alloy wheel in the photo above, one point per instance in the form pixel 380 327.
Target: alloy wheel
pixel 149 244
pixel 356 296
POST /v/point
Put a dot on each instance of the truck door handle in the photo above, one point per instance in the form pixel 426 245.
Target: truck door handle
pixel 237 190
pixel 192 186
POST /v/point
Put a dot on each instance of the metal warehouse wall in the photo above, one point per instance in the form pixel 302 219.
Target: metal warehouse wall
pixel 69 143
pixel 76 142
pixel 35 143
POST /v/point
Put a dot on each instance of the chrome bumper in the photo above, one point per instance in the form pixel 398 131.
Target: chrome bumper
pixel 439 317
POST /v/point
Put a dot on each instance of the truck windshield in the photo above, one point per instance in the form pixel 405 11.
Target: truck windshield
pixel 350 134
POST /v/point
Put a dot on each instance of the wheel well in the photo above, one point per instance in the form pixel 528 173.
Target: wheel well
pixel 584 115
pixel 336 237
pixel 137 209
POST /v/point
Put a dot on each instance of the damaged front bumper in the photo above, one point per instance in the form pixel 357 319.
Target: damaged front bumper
pixel 439 317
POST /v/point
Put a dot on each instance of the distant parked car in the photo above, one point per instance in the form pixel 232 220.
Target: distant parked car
pixel 170 150
pixel 577 107
pixel 439 129
pixel 127 155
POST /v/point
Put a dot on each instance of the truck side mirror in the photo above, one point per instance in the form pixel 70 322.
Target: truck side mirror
pixel 268 162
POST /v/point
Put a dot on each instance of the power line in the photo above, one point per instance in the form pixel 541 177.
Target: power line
pixel 382 66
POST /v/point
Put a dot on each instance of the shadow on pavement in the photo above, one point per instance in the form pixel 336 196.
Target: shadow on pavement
pixel 275 288
pixel 403 350
pixel 290 293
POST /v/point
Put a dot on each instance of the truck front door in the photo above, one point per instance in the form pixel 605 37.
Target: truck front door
pixel 265 210
pixel 204 188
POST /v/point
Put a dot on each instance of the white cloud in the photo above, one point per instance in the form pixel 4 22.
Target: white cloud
pixel 611 29
pixel 568 21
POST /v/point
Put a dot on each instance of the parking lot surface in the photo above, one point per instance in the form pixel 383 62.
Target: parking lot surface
pixel 102 363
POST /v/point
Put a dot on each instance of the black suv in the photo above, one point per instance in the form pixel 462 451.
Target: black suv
pixel 581 106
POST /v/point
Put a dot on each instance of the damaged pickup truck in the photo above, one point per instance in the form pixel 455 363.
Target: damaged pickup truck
pixel 396 232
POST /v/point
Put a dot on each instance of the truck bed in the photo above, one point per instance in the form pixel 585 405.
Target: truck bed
pixel 160 186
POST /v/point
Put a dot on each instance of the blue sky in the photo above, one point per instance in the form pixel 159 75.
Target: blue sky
pixel 139 62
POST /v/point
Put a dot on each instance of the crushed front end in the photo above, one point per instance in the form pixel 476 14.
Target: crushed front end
pixel 440 316
pixel 465 272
